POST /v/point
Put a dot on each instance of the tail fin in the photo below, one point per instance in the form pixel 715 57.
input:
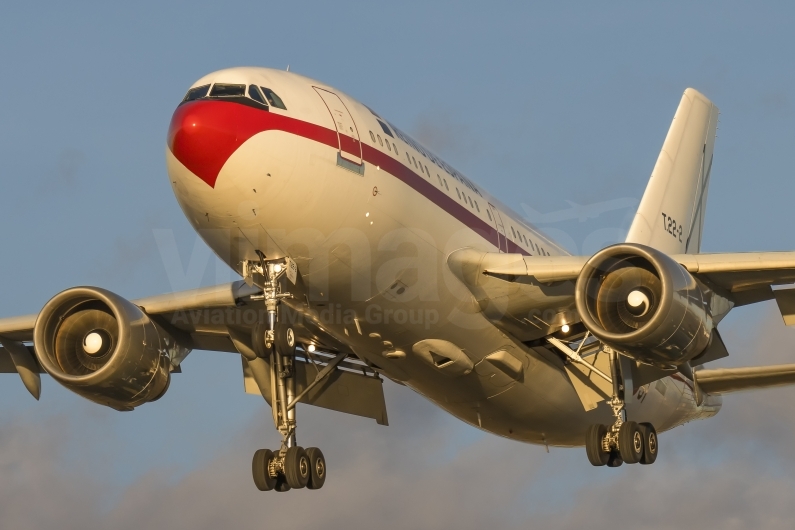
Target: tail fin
pixel 670 217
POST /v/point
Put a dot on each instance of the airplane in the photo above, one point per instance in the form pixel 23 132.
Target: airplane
pixel 363 256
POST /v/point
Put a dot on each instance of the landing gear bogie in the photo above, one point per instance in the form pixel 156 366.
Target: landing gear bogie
pixel 624 441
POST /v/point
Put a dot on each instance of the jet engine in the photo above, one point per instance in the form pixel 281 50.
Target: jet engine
pixel 104 348
pixel 644 304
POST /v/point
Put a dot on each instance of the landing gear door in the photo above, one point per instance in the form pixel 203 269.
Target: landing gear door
pixel 350 147
pixel 502 241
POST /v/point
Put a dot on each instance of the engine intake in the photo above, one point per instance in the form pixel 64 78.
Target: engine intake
pixel 639 301
pixel 104 348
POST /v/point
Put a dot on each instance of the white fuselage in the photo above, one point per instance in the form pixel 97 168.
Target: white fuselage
pixel 370 216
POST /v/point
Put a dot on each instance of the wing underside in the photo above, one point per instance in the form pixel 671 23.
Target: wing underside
pixel 222 318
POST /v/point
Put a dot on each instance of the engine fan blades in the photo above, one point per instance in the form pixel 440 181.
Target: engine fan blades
pixel 85 340
pixel 627 299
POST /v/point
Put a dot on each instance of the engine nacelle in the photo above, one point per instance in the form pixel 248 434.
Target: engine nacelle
pixel 104 348
pixel 642 303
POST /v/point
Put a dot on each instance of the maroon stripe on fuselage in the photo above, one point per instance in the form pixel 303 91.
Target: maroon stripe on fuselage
pixel 421 184
pixel 247 120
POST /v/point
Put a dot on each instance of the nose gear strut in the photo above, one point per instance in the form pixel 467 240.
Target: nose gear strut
pixel 290 467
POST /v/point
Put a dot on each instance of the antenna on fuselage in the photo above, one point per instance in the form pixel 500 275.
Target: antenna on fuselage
pixel 288 67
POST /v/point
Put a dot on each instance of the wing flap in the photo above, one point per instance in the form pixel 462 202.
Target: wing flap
pixel 343 390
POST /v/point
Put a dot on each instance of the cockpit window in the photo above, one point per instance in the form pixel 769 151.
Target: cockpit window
pixel 196 93
pixel 273 99
pixel 253 93
pixel 385 128
pixel 221 90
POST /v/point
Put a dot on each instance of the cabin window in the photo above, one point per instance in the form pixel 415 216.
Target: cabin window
pixel 385 128
pixel 395 147
pixel 477 207
pixel 446 186
pixel 253 93
pixel 408 156
pixel 427 172
pixel 372 136
pixel 489 214
pixel 273 99
pixel 196 93
pixel 470 202
pixel 388 147
pixel 379 140
pixel 440 180
pixel 459 194
pixel 514 232
pixel 221 90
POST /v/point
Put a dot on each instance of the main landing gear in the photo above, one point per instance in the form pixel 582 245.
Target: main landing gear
pixel 290 466
pixel 623 441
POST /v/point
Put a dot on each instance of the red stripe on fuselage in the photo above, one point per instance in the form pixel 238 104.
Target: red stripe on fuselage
pixel 204 134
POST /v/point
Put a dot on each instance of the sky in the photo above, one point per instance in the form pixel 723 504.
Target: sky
pixel 549 105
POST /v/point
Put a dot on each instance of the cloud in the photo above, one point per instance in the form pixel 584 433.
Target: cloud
pixel 427 470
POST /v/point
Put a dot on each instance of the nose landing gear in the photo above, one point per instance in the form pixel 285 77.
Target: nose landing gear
pixel 289 467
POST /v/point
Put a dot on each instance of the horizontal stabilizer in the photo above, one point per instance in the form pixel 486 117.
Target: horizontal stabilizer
pixel 725 380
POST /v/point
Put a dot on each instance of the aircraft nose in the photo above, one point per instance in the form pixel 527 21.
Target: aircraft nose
pixel 203 134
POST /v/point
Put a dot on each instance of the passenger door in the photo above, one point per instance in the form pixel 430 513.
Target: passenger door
pixel 502 241
pixel 349 145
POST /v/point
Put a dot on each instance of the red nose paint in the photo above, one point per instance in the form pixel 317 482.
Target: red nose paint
pixel 204 134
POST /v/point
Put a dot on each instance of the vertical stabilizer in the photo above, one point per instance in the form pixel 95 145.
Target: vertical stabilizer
pixel 670 217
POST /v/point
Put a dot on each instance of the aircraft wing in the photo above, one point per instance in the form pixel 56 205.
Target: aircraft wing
pixel 222 318
pixel 745 277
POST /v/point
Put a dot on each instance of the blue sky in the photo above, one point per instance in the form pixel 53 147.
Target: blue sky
pixel 539 103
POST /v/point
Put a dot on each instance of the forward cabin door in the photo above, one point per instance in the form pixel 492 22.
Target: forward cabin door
pixel 350 147
pixel 502 241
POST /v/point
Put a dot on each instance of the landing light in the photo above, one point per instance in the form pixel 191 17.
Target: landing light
pixel 565 328
pixel 311 348
pixel 277 268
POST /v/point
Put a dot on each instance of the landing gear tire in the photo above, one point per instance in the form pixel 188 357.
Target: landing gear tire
pixel 317 466
pixel 282 485
pixel 615 459
pixel 259 470
pixel 285 339
pixel 630 442
pixel 650 447
pixel 297 468
pixel 593 445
